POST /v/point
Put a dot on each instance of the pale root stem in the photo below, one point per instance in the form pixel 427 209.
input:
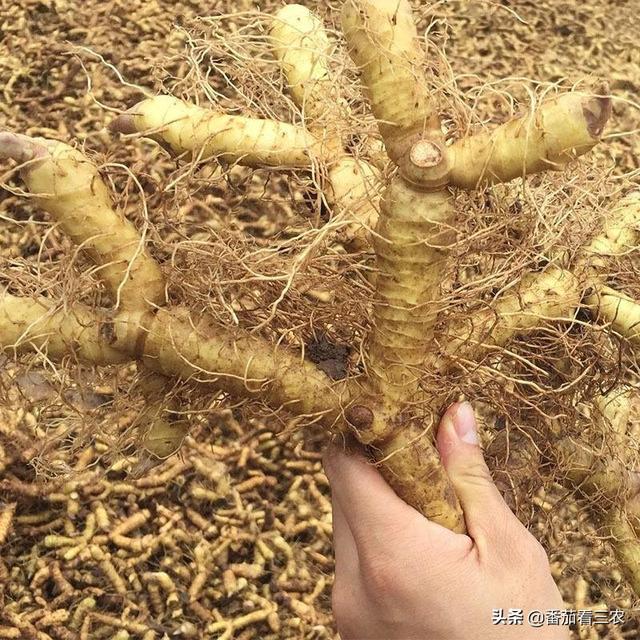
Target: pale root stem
pixel 173 342
pixel 554 294
pixel 383 43
pixel 68 186
pixel 204 134
pixel 411 465
pixel 413 234
pixel 176 343
pixel 620 311
pixel 38 325
pixel 558 132
pixel 626 545
pixel 618 237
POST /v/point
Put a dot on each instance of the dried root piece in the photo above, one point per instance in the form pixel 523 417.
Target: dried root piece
pixel 229 628
pixel 626 545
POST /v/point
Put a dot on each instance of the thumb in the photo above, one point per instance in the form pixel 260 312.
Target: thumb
pixel 485 511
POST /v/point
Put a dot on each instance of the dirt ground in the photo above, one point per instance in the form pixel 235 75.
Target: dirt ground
pixel 231 538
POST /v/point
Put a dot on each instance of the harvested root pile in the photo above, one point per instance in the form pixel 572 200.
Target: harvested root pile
pixel 415 255
pixel 247 554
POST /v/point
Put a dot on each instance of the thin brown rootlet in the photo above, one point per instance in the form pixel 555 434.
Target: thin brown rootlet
pixel 493 257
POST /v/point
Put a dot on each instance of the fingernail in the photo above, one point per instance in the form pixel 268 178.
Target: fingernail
pixel 464 423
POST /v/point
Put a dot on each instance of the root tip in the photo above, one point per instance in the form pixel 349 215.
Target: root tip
pixel 124 124
pixel 597 111
pixel 21 148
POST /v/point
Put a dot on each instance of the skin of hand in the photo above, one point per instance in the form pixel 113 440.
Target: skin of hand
pixel 399 576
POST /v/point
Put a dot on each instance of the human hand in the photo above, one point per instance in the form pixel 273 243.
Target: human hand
pixel 401 577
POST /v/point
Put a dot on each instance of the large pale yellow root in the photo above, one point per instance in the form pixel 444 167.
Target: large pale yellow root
pixel 67 184
pixel 203 134
pixel 412 466
pixel 388 407
pixel 411 240
pixel 558 132
pixel 551 295
pixel 174 342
